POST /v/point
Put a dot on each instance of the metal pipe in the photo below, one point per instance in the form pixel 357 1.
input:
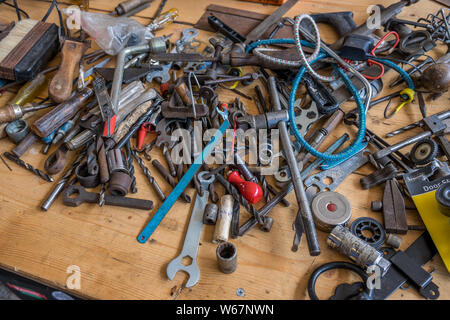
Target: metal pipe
pixel 303 204
pixel 118 73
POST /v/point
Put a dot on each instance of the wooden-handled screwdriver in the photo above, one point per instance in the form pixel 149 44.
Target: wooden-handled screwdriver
pixel 14 112
pixel 60 87
pixel 60 114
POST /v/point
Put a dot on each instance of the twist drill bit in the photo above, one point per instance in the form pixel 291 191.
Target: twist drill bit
pixel 148 175
pixel 101 197
pixel 263 182
pixel 163 171
pixel 6 164
pixel 63 181
pixel 441 116
pixel 131 167
pixel 92 164
pixel 28 166
pixel 403 129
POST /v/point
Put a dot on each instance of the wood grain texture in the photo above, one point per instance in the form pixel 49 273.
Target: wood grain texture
pixel 60 86
pixel 102 241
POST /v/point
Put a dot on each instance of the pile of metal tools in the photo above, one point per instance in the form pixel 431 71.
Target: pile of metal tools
pixel 101 124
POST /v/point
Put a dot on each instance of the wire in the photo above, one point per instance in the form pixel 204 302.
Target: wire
pixel 54 4
pixel 404 61
pixel 49 11
pixel 19 17
pixel 349 151
pixel 15 7
pixel 371 62
pixel 402 72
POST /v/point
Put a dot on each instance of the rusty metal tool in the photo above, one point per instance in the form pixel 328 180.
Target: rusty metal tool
pixel 256 33
pixel 74 196
pixel 109 117
pixel 394 211
pixel 303 203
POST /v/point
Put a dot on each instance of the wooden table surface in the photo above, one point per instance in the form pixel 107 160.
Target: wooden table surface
pixel 102 241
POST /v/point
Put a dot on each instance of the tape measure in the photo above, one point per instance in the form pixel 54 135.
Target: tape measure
pixel 330 209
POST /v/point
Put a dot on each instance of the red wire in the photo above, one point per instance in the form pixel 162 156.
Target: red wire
pixel 372 62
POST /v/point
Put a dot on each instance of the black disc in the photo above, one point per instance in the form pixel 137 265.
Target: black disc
pixel 378 234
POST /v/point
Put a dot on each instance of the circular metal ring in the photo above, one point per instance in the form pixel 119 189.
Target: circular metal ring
pixel 17 130
pixel 86 180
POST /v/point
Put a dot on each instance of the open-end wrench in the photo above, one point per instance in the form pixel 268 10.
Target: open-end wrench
pixel 163 137
pixel 73 196
pixel 192 239
pixel 317 182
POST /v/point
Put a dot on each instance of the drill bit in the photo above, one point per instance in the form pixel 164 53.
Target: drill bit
pixel 28 166
pixel 169 161
pixel 131 167
pixel 403 129
pixel 148 175
pixel 101 198
pixel 168 177
pixel 6 163
pixel 441 116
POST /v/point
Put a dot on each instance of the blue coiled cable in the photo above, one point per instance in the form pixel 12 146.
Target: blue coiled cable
pixel 354 147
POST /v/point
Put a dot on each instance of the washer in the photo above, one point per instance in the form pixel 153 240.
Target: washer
pixel 365 223
pixel 330 209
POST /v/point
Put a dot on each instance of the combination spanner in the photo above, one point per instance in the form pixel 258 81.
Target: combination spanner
pixel 192 239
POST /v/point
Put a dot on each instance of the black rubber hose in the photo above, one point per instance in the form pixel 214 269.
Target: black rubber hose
pixel 329 266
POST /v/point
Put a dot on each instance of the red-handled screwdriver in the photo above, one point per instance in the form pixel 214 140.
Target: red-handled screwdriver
pixel 251 191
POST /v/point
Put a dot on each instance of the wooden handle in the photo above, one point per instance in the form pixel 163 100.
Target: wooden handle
pixel 60 114
pixel 60 87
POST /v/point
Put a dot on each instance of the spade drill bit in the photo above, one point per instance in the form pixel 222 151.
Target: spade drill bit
pixel 28 166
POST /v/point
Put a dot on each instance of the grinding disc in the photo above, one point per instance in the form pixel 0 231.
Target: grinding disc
pixel 330 209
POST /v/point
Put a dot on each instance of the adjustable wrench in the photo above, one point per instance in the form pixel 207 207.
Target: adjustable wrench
pixel 193 234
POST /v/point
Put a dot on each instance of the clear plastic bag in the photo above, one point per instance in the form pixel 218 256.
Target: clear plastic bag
pixel 112 34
